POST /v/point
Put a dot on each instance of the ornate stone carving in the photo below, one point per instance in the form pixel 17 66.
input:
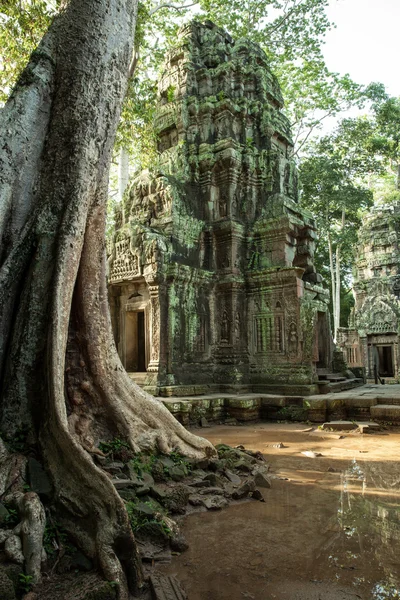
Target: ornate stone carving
pixel 238 328
pixel 125 264
pixel 217 224
pixel 225 328
pixel 293 339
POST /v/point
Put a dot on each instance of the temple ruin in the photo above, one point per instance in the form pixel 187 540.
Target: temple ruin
pixel 372 339
pixel 212 283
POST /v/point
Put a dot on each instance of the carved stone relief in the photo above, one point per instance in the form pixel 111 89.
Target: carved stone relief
pixel 213 216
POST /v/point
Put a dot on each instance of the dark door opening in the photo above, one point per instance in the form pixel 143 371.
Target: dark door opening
pixel 141 345
pixel 385 365
pixel 135 342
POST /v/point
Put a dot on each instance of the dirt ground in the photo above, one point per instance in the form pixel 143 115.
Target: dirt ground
pixel 329 529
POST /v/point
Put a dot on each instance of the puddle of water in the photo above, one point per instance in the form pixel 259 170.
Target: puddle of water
pixel 321 534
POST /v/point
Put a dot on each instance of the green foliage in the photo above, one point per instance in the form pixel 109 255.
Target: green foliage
pixel 12 518
pixel 25 582
pixel 138 519
pixel 22 26
pixel 292 34
pixel 332 188
pixel 171 93
pixel 114 446
pixel 142 463
pixel 55 536
pixel 292 413
pixel 180 460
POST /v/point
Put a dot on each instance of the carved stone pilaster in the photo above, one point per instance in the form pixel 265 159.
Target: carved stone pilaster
pixel 155 328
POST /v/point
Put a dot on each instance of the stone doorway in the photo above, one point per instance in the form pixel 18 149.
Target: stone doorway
pixel 385 361
pixel 136 341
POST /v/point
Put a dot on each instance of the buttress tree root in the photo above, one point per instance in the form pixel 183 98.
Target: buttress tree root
pixel 61 381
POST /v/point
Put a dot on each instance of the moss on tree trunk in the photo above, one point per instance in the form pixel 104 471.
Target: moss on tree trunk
pixel 61 379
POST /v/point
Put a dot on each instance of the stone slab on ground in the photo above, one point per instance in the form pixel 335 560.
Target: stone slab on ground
pixel 368 427
pixel 363 426
pixel 340 425
pixel 164 587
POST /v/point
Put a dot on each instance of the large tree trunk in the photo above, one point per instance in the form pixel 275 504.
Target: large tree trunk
pixel 60 376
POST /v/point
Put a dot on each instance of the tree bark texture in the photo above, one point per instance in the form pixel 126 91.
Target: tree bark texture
pixel 333 285
pixel 60 377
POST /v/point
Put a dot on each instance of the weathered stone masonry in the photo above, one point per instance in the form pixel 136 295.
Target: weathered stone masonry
pixel 373 333
pixel 212 282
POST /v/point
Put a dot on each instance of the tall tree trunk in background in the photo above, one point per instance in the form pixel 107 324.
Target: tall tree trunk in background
pixel 337 292
pixel 336 281
pixel 61 380
pixel 123 179
pixel 333 284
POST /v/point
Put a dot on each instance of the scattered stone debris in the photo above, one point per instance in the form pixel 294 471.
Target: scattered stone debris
pixel 279 445
pixel 311 454
pixel 257 495
pixel 261 480
pixel 156 490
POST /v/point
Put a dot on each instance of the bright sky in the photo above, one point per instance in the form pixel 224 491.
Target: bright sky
pixel 365 43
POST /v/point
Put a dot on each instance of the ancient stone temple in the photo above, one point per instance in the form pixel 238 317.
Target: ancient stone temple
pixel 211 274
pixel 372 340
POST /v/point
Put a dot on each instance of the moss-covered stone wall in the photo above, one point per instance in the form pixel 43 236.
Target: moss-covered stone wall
pixel 215 229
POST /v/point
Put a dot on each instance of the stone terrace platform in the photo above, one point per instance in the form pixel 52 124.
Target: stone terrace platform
pixel 370 401
pixel 365 403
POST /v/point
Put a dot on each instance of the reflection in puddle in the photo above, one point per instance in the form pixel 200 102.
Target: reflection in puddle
pixel 371 519
pixel 331 531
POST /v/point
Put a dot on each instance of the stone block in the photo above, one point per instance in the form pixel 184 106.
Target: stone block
pixel 386 412
pixel 244 409
pixel 339 425
pixel 165 587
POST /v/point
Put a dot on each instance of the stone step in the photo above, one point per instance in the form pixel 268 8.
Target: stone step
pixel 139 377
pixel 333 377
pixel 392 401
pixel 385 412
pixel 347 384
pixel 329 376
pixel 323 371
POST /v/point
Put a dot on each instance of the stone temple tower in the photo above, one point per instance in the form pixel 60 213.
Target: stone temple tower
pixel 372 339
pixel 212 283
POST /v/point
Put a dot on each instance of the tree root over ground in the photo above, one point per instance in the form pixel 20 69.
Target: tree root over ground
pixel 156 490
pixel 61 382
